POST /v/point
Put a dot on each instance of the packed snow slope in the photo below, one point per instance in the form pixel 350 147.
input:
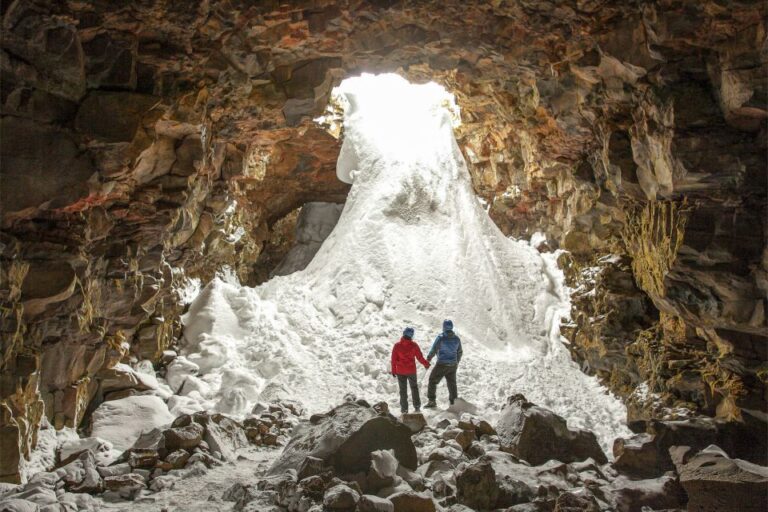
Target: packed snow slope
pixel 413 246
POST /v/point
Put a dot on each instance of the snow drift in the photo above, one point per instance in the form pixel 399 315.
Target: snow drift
pixel 412 246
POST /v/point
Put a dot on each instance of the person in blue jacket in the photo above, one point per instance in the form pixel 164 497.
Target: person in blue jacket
pixel 447 347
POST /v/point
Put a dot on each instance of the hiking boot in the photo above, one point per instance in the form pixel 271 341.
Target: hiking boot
pixel 430 405
pixel 417 410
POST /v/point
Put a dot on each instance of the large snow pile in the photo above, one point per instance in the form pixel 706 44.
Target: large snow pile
pixel 412 246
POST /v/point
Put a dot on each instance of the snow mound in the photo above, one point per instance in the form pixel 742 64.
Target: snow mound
pixel 121 422
pixel 413 246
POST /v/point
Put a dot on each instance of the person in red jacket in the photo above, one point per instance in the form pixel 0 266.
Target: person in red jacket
pixel 404 354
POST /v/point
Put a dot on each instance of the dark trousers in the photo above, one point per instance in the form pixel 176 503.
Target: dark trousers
pixel 438 372
pixel 403 381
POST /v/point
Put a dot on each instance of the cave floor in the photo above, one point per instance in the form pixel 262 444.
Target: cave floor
pixel 202 492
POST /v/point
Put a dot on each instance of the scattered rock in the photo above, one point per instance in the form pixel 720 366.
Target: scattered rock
pixel 186 438
pixel 313 487
pixel 114 470
pixel 483 428
pixel 475 450
pixel 411 501
pixel 126 486
pixel 176 460
pixel 143 459
pixel 163 482
pixel 206 459
pixel 370 503
pixel 435 466
pixel 311 466
pixel 573 502
pixel 476 485
pixel 463 437
pixel 235 492
pixel 655 494
pixel 81 475
pixel 414 421
pixel 412 478
pixel 537 435
pixel 223 435
pixel 341 497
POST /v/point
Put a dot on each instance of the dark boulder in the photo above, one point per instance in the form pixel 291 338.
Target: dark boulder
pixel 341 497
pixel 661 493
pixel 344 439
pixel 536 435
pixel 648 454
pixel 715 482
pixel 476 485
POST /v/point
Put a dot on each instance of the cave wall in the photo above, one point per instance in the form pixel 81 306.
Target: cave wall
pixel 145 143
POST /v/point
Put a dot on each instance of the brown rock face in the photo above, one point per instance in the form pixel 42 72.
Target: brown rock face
pixel 147 143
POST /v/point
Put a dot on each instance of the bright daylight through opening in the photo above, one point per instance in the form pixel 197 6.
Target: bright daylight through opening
pixel 413 246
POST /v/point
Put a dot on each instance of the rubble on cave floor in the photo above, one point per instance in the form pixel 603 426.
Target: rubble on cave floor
pixel 136 449
pixel 358 457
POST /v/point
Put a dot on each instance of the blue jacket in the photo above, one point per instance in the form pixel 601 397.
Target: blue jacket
pixel 447 346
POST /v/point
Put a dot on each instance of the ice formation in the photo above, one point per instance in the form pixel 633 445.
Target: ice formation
pixel 412 246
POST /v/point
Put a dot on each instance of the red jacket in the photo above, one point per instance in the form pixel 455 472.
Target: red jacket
pixel 403 354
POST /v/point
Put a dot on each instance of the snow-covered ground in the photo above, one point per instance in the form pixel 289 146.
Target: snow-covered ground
pixel 412 247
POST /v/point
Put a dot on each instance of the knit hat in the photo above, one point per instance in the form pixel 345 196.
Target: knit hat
pixel 447 325
pixel 408 332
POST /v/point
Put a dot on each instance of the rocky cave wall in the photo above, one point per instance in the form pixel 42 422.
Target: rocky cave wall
pixel 146 143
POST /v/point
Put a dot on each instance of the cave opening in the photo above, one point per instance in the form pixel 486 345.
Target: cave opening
pixel 148 147
pixel 295 236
